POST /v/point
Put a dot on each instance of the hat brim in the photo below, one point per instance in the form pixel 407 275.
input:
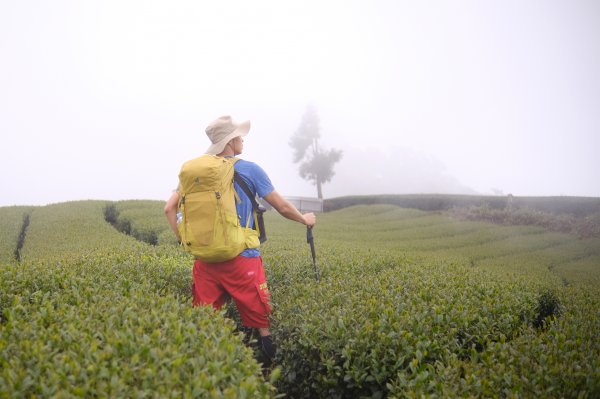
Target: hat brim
pixel 241 130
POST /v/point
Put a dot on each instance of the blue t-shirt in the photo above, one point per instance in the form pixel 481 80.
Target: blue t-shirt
pixel 259 183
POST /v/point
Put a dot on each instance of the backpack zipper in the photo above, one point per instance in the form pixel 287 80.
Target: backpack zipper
pixel 222 216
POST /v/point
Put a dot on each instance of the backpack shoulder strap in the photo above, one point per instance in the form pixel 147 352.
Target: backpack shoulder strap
pixel 258 209
pixel 238 179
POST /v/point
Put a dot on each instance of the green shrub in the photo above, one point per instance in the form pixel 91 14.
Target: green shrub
pixel 548 306
pixel 410 304
pixel 66 230
pixel 383 323
pixel 425 202
pixel 560 361
pixel 379 321
pixel 117 325
pixel 575 206
pixel 12 221
pixel 144 220
pixel 584 226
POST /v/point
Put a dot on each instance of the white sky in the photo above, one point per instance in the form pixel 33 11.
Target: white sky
pixel 106 99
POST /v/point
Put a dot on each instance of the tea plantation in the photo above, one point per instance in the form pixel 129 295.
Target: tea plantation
pixel 410 303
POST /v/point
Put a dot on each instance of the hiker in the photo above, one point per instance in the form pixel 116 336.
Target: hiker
pixel 243 277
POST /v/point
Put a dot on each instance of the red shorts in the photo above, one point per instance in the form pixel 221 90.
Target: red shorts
pixel 242 279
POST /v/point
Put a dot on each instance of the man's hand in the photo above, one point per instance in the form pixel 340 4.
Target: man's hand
pixel 171 212
pixel 309 219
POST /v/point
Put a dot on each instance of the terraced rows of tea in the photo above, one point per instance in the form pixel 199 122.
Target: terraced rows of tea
pixel 409 304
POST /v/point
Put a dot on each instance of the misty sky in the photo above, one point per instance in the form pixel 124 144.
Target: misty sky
pixel 106 99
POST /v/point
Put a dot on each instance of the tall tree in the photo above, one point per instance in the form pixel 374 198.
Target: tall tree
pixel 316 163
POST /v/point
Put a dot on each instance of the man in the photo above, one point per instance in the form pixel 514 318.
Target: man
pixel 242 278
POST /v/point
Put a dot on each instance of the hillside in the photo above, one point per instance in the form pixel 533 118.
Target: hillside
pixel 409 303
pixel 576 215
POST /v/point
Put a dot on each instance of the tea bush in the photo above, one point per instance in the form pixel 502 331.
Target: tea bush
pixel 528 250
pixel 142 219
pixel 69 229
pixel 585 225
pixel 577 206
pixel 117 325
pixel 367 324
pixel 11 225
pixel 410 304
pixel 407 298
pixel 92 312
pixel 425 202
pixel 561 361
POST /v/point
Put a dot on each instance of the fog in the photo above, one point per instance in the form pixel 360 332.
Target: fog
pixel 106 99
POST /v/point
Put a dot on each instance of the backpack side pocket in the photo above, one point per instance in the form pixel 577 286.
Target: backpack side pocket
pixel 199 218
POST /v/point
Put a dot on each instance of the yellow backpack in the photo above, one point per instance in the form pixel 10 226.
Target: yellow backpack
pixel 209 227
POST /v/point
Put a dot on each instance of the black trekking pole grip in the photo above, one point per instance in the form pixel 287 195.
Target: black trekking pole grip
pixel 309 235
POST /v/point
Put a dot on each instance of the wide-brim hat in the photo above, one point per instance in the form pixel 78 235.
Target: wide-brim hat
pixel 222 130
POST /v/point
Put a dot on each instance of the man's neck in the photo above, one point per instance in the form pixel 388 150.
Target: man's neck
pixel 228 152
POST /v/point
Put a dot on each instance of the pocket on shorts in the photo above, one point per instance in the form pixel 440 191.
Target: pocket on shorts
pixel 265 296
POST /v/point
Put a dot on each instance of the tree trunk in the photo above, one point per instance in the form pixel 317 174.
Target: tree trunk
pixel 319 189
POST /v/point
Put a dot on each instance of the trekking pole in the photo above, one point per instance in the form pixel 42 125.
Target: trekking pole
pixel 311 241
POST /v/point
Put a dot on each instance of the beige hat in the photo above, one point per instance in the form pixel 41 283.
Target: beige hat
pixel 222 130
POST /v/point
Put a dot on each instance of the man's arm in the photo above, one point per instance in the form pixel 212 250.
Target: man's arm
pixel 171 212
pixel 288 210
